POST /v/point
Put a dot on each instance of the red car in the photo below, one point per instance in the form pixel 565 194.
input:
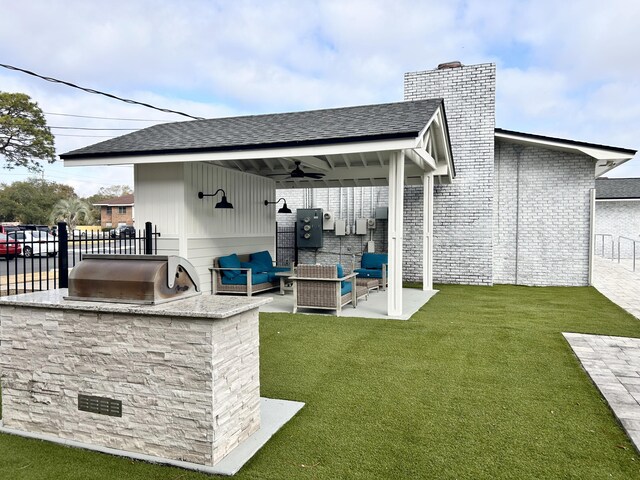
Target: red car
pixel 9 248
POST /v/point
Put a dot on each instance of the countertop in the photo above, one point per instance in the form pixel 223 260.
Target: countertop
pixel 201 306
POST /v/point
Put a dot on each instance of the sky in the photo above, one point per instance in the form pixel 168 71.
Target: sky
pixel 568 69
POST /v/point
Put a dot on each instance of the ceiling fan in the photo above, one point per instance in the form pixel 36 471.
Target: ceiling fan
pixel 297 172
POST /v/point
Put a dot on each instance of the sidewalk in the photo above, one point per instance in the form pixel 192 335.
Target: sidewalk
pixel 618 283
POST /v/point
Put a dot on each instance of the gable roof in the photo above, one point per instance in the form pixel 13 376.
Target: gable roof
pixel 316 127
pixel 607 157
pixel 617 188
pixel 124 200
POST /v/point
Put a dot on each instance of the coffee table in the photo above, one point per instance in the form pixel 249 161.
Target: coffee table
pixel 284 279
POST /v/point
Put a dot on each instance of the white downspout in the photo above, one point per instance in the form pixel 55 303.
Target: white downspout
pixel 592 230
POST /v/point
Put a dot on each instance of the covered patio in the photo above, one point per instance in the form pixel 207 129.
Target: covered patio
pixel 250 157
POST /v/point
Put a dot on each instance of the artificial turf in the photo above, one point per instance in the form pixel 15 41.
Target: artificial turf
pixel 478 384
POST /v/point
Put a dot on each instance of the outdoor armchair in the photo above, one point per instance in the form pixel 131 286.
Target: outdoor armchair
pixel 325 287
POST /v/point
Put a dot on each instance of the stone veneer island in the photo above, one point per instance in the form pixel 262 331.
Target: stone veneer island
pixel 176 381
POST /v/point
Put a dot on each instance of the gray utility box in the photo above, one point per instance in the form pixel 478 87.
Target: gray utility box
pixel 309 227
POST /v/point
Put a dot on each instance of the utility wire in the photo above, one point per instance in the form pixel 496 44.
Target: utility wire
pixel 86 136
pixel 105 118
pixel 90 128
pixel 97 92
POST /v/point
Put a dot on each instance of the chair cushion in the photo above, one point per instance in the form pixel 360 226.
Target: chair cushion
pixel 368 273
pixel 241 279
pixel 374 260
pixel 230 261
pixel 263 259
pixel 346 288
pixel 255 268
pixel 280 269
pixel 340 271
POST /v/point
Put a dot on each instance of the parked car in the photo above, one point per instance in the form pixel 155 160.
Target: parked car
pixel 125 231
pixel 8 247
pixel 35 242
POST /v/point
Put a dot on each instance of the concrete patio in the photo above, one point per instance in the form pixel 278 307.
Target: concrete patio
pixel 374 307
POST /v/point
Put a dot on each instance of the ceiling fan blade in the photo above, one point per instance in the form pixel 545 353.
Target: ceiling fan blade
pixel 316 176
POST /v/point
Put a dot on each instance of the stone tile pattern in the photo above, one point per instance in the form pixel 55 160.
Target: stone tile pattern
pixel 463 211
pixel 541 224
pixel 613 363
pixel 189 387
pixel 618 218
pixel 618 283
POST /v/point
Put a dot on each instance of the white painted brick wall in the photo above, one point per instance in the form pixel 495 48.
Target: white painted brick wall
pixel 189 387
pixel 619 218
pixel 545 219
pixel 462 224
pixel 357 202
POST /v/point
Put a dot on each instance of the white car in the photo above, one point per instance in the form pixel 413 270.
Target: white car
pixel 35 242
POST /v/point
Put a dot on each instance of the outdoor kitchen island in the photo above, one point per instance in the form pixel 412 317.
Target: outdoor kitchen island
pixel 174 383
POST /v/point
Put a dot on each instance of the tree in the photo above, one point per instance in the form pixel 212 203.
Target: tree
pixel 30 201
pixel 72 211
pixel 25 139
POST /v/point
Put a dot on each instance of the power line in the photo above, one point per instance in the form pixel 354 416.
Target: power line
pixel 85 136
pixel 89 128
pixel 97 92
pixel 105 118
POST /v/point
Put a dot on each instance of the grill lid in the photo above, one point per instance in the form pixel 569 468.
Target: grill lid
pixel 138 279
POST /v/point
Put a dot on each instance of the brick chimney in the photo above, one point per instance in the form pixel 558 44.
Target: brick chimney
pixel 463 210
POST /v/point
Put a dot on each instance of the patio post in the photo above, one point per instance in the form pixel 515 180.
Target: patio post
pixel 396 225
pixel 427 228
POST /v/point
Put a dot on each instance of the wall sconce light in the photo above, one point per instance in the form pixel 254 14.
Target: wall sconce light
pixel 284 208
pixel 224 203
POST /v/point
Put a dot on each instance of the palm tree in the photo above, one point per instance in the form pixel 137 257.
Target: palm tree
pixel 72 211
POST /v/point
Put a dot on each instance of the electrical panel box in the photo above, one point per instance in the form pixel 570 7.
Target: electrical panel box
pixel 340 227
pixel 309 227
pixel 371 246
pixel 382 213
pixel 361 226
pixel 371 223
pixel 328 221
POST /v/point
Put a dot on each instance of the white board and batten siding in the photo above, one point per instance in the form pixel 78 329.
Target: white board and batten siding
pixel 167 196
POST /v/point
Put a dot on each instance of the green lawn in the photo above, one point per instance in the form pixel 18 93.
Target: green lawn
pixel 478 384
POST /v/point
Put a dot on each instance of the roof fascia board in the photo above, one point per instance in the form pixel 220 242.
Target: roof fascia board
pixel 596 153
pixel 632 199
pixel 250 154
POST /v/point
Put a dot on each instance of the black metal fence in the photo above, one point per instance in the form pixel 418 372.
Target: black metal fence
pixel 43 261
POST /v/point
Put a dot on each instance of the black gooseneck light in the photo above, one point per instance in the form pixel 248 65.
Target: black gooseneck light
pixel 224 203
pixel 283 209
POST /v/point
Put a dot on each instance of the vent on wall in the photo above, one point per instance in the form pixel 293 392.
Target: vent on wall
pixel 100 405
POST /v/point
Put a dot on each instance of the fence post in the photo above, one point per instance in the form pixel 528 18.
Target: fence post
pixel 148 239
pixel 63 256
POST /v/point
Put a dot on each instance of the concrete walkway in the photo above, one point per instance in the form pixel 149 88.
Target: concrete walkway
pixel 618 283
pixel 613 363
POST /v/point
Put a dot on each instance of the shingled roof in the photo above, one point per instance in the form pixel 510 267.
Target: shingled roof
pixel 617 188
pixel 124 200
pixel 336 125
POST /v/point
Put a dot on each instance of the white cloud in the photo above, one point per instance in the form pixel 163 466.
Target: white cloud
pixel 564 68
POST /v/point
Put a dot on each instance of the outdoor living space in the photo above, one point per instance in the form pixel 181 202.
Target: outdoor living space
pixel 479 383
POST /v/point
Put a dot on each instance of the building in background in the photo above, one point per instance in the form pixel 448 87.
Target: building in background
pixel 116 212
pixel 617 216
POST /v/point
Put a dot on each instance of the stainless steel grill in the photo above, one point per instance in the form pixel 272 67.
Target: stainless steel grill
pixel 138 279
